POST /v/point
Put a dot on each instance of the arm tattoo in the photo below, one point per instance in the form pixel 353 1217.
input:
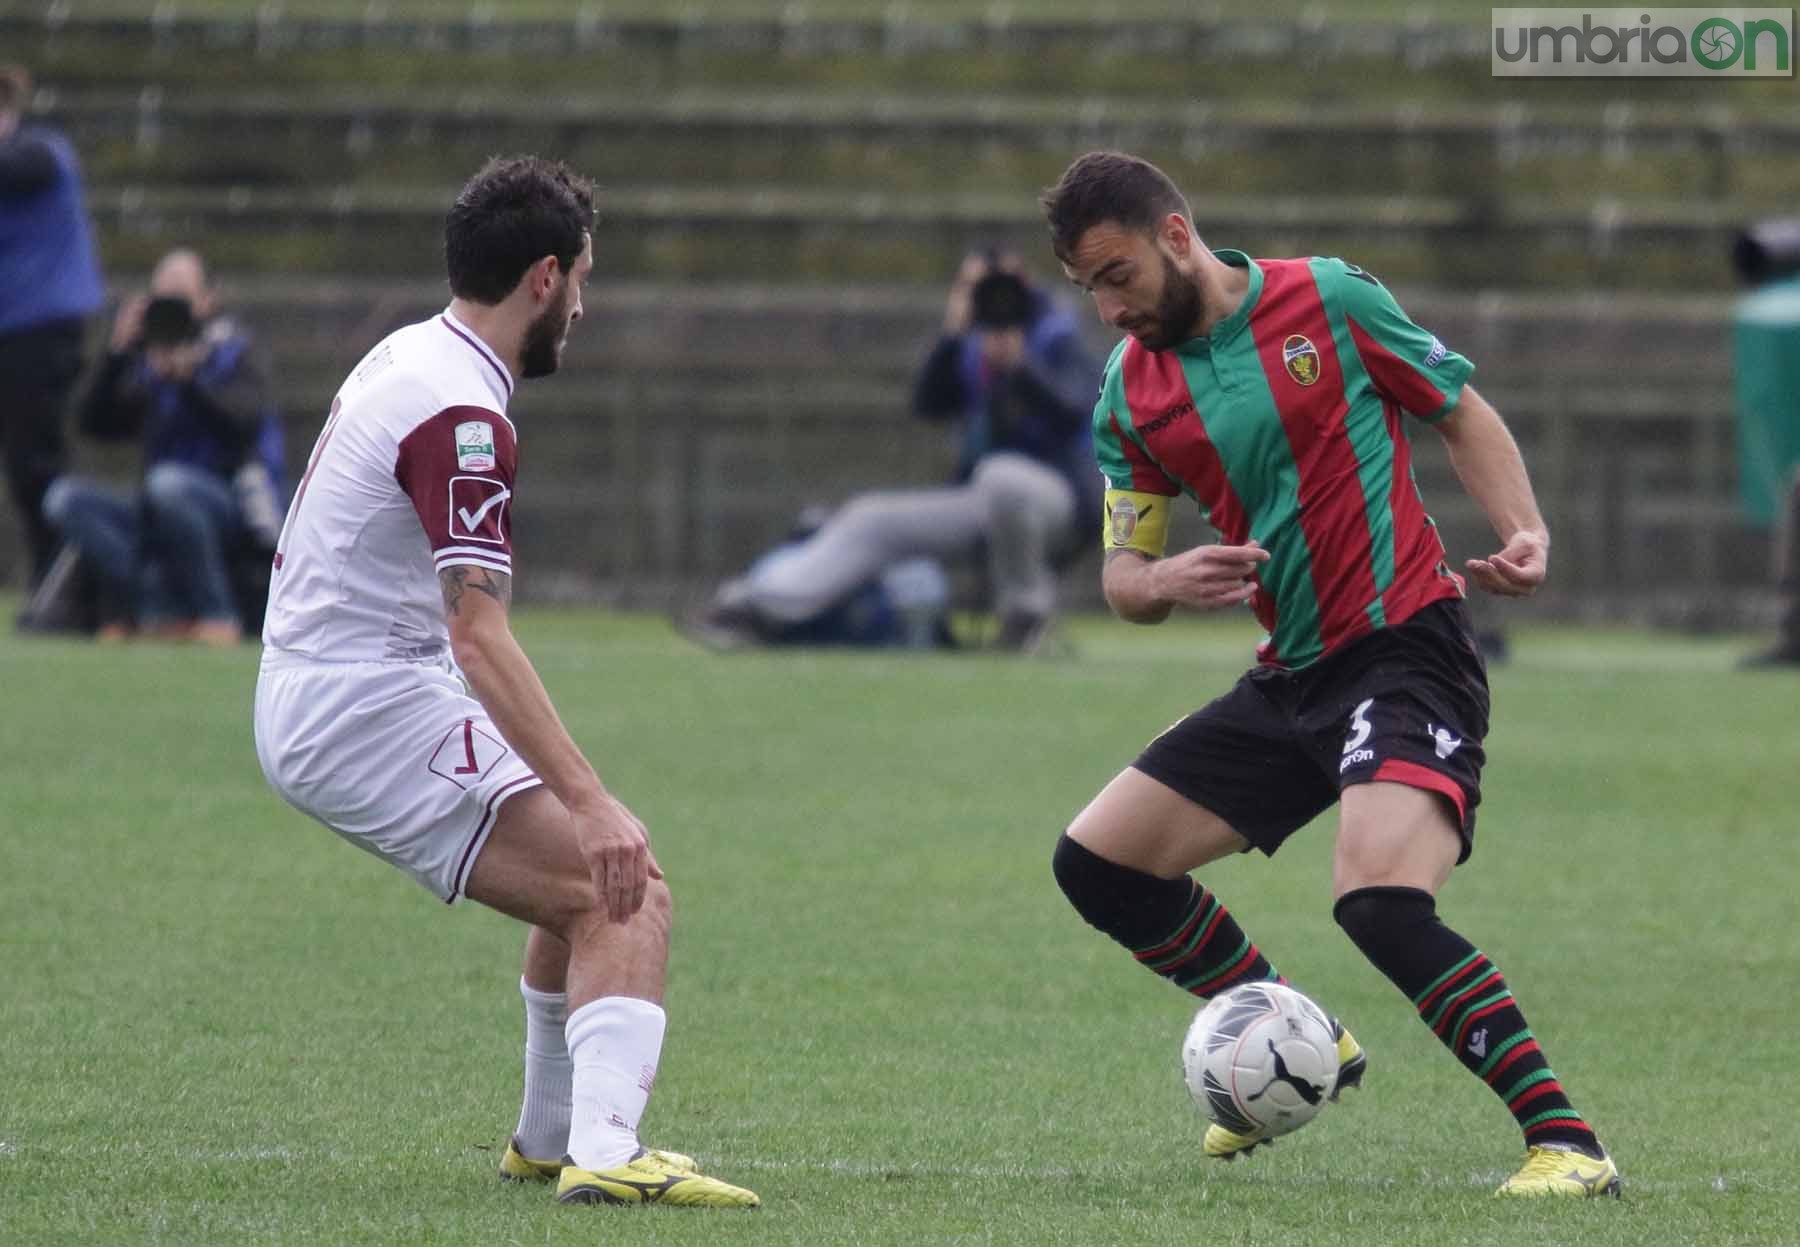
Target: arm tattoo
pixel 455 581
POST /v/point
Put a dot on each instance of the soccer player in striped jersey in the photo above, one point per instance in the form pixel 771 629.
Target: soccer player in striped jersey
pixel 1273 393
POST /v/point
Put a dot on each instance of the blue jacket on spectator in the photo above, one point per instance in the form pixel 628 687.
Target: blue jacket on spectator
pixel 1043 409
pixel 48 270
pixel 217 421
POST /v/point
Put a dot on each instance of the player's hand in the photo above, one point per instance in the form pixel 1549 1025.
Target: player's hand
pixel 1209 576
pixel 616 847
pixel 1516 571
pixel 128 324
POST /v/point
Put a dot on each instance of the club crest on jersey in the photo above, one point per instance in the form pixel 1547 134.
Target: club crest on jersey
pixel 1123 520
pixel 475 446
pixel 1301 358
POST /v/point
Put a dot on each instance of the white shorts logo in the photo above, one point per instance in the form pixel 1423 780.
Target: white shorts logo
pixel 1361 729
pixel 1443 740
pixel 475 446
pixel 478 509
pixel 1361 726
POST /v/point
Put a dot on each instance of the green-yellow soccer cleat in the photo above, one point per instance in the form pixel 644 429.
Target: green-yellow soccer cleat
pixel 1559 1169
pixel 649 1178
pixel 1353 1062
pixel 515 1166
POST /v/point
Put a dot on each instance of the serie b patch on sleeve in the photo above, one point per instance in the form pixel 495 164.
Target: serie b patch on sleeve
pixel 475 446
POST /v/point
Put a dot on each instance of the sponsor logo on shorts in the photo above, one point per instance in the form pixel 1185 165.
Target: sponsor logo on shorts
pixel 466 754
pixel 1442 740
pixel 478 509
pixel 1355 754
pixel 1301 358
pixel 475 446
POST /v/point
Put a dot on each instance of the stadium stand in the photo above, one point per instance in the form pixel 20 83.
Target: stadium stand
pixel 783 196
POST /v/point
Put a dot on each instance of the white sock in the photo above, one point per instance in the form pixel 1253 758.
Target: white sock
pixel 543 1130
pixel 615 1043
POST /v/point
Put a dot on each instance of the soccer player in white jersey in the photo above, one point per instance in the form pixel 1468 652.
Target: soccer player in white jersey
pixel 395 707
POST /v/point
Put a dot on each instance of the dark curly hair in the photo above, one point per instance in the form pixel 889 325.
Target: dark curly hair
pixel 1105 187
pixel 510 215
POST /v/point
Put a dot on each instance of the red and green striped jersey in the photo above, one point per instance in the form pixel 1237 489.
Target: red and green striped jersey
pixel 1284 424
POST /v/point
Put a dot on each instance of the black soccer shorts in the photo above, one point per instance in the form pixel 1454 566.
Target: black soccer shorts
pixel 1407 703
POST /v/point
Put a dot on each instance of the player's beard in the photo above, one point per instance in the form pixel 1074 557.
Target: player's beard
pixel 541 352
pixel 1177 309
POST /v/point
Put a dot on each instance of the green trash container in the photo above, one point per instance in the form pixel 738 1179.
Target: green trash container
pixel 1768 395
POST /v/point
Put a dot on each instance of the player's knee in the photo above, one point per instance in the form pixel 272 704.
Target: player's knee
pixel 1069 864
pixel 659 905
pixel 1093 885
pixel 657 912
pixel 1380 919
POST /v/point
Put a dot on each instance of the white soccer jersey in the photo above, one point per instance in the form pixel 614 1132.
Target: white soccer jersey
pixel 412 473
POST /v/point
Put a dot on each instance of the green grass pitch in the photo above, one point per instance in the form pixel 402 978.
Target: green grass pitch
pixel 221 1024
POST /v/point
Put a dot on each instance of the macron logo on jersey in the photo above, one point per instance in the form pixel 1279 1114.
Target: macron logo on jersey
pixel 478 509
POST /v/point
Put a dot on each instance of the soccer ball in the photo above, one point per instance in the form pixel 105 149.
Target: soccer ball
pixel 1260 1059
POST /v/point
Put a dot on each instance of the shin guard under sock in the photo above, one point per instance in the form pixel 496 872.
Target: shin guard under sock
pixel 1462 998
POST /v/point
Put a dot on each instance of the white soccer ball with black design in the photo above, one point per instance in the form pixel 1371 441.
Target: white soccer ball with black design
pixel 1260 1059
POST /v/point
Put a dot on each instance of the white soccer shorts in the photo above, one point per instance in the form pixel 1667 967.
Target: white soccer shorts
pixel 397 758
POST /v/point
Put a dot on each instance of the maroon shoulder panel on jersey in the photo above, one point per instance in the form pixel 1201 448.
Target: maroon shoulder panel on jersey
pixel 457 467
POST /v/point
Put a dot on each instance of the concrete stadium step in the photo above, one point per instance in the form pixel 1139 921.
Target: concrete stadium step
pixel 875 335
pixel 1159 51
pixel 785 234
pixel 903 143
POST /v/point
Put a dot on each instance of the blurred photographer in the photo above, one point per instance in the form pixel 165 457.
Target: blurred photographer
pixel 191 384
pixel 1012 376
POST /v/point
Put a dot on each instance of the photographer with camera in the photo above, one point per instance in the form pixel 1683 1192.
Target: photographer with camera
pixel 1011 374
pixel 191 384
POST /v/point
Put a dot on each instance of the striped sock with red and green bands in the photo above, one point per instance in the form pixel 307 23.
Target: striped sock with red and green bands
pixel 1467 1004
pixel 1173 927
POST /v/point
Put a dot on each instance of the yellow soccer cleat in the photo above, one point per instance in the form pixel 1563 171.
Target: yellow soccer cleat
pixel 1229 1144
pixel 1353 1062
pixel 650 1178
pixel 1558 1169
pixel 515 1166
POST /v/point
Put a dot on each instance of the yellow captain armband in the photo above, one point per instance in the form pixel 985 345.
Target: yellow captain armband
pixel 1136 521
